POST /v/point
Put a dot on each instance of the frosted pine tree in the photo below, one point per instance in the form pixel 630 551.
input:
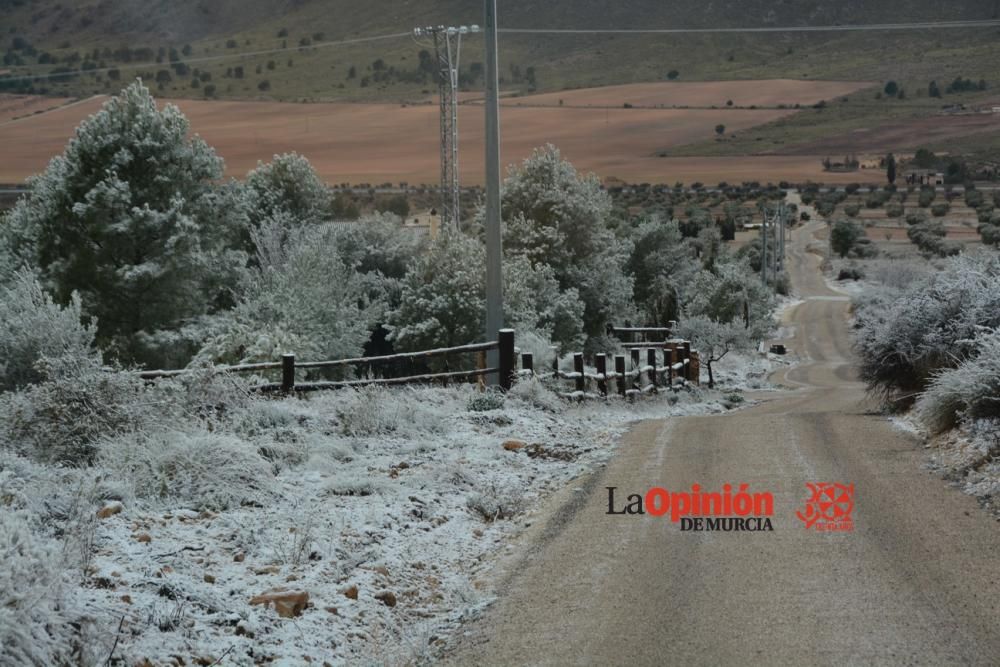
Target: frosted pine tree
pixel 132 218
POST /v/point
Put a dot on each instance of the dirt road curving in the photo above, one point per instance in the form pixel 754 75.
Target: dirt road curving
pixel 916 582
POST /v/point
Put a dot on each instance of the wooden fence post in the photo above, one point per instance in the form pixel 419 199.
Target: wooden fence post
pixel 601 361
pixel 651 361
pixel 288 373
pixel 636 364
pixel 581 381
pixel 505 339
pixel 686 354
pixel 695 367
pixel 620 370
pixel 528 362
pixel 555 362
pixel 668 361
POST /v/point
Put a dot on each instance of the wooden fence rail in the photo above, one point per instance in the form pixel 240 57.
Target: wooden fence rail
pixel 679 367
pixel 289 366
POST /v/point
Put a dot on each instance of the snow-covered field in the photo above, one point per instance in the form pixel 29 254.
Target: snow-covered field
pixel 375 522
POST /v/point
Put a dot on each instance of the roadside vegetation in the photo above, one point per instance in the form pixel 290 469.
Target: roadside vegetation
pixel 927 338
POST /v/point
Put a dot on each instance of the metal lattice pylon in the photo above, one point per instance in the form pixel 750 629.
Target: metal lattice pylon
pixel 448 49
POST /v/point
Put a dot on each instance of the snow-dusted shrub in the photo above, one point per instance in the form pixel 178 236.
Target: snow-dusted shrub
pixel 970 391
pixel 195 469
pixel 904 337
pixel 535 305
pixel 442 302
pixel 300 297
pixel 531 391
pixel 349 483
pixel 60 419
pixel 378 244
pixel 378 410
pixel 726 311
pixel 207 394
pixel 558 217
pixel 897 273
pixel 442 299
pixel 32 326
pixel 287 184
pixel 497 502
pixel 369 410
pixel 36 620
pixel 490 400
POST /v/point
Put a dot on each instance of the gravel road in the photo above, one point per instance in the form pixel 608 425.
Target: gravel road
pixel 916 582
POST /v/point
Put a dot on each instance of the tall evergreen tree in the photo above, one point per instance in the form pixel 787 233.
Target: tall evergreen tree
pixel 131 216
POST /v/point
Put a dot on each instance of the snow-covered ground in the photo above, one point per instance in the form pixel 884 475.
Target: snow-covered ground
pixel 376 529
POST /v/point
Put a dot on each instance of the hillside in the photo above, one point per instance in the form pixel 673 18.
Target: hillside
pixel 79 38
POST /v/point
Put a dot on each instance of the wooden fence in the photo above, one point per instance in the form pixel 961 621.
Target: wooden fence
pixel 641 372
pixel 505 369
pixel 645 374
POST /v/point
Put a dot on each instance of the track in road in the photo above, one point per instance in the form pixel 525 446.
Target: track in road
pixel 916 582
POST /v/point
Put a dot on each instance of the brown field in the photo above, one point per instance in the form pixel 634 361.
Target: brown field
pixel 902 135
pixel 376 143
pixel 15 106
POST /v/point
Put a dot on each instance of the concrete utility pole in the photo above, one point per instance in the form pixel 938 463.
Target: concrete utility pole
pixel 494 242
pixel 776 255
pixel 783 221
pixel 448 50
pixel 763 246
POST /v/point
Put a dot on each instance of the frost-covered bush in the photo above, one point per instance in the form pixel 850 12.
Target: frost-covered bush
pixel 970 391
pixel 206 394
pixel 375 410
pixel 557 217
pixel 367 411
pixel 990 234
pixel 533 392
pixel 442 302
pixel 497 502
pixel 378 244
pixel 726 310
pixel 300 297
pixel 897 273
pixel 131 216
pixel 287 185
pixel 442 299
pixel 32 326
pixel 904 337
pixel 194 469
pixel 844 235
pixel 662 265
pixel 534 305
pixel 60 419
pixel 490 400
pixel 36 618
